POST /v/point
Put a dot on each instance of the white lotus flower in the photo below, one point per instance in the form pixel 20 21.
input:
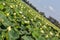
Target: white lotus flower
pixel 14 13
pixel 44 26
pixel 31 19
pixel 20 12
pixel 3 3
pixel 42 31
pixel 57 34
pixel 7 14
pixel 9 28
pixel 51 33
pixel 47 36
pixel 26 21
pixel 11 6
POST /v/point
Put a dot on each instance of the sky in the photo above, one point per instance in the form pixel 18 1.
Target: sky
pixel 49 7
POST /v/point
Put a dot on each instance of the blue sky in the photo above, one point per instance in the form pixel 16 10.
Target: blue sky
pixel 50 7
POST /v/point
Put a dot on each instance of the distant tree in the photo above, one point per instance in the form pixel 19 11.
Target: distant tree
pixel 54 21
pixel 42 13
pixel 27 2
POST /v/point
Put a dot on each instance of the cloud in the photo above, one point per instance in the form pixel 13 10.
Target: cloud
pixel 51 8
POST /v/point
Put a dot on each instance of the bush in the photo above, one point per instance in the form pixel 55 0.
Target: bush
pixel 19 22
